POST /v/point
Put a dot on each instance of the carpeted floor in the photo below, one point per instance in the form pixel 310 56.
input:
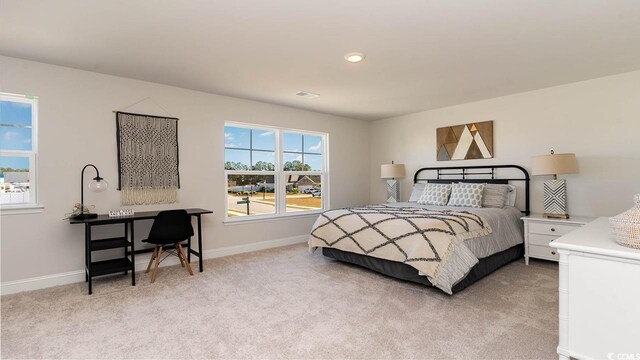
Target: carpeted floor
pixel 286 303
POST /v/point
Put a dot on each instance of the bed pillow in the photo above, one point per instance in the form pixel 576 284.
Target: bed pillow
pixel 466 194
pixel 495 195
pixel 511 197
pixel 418 189
pixel 435 194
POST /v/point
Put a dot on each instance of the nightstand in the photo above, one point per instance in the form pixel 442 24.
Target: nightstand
pixel 540 231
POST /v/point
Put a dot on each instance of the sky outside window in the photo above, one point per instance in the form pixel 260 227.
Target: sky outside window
pixel 264 140
pixel 235 137
pixel 249 149
pixel 14 162
pixel 15 126
pixel 305 149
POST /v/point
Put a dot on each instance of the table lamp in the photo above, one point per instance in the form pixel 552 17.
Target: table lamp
pixel 391 172
pixel 555 190
pixel 97 184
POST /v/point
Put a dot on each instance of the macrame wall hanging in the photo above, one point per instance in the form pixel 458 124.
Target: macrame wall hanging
pixel 147 158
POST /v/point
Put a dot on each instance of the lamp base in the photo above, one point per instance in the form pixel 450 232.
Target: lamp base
pixel 393 191
pixel 555 199
pixel 85 216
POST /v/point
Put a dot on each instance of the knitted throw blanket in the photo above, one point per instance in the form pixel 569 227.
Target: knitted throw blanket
pixel 428 240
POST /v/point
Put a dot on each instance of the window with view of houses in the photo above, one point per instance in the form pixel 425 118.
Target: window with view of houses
pixel 18 119
pixel 273 171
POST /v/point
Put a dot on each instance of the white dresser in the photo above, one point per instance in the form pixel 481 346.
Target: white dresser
pixel 599 295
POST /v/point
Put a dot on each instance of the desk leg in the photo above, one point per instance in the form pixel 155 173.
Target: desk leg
pixel 189 250
pixel 86 255
pixel 133 256
pixel 126 236
pixel 200 242
pixel 87 239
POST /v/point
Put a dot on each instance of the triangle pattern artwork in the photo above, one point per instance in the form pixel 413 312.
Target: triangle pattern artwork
pixel 464 142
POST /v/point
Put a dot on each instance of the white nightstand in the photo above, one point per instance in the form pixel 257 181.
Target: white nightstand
pixel 540 231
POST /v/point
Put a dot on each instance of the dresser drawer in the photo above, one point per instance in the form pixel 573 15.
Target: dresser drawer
pixel 546 228
pixel 542 240
pixel 543 252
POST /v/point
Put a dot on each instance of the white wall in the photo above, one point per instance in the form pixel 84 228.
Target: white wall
pixel 599 120
pixel 77 127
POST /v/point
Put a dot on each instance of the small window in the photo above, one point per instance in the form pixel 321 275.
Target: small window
pixel 271 171
pixel 18 150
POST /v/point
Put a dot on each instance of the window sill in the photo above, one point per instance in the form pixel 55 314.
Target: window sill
pixel 262 218
pixel 21 209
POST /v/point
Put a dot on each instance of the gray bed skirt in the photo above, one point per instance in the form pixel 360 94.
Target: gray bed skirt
pixel 405 272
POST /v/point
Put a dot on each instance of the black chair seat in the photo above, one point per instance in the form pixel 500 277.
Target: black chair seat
pixel 170 227
pixel 155 242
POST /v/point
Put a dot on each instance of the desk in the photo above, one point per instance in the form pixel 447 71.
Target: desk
pixel 126 263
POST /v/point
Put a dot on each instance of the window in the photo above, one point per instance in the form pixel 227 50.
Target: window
pixel 273 172
pixel 18 149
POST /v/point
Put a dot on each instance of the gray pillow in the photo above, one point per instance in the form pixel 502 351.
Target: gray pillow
pixel 495 195
pixel 418 188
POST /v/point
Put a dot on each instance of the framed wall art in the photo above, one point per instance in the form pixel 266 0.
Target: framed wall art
pixel 464 142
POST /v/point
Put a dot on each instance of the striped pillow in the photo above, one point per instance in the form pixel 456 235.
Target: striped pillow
pixel 495 195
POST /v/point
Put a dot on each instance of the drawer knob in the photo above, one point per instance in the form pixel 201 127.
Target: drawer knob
pixel 553 253
pixel 553 229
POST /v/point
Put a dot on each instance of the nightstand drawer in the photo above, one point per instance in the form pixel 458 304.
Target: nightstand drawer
pixel 549 228
pixel 543 252
pixel 542 240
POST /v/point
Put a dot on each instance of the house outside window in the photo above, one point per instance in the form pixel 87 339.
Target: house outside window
pixel 273 172
pixel 18 150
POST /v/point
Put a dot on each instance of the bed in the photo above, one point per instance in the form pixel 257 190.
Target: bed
pixel 486 238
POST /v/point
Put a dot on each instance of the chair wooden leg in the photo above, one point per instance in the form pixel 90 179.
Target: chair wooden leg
pixel 185 260
pixel 153 256
pixel 180 256
pixel 155 269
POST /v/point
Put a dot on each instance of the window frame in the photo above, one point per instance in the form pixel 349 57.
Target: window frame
pixel 31 154
pixel 279 174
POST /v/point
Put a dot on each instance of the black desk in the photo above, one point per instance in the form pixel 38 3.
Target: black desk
pixel 126 263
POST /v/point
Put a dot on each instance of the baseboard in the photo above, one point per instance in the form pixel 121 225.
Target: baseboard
pixel 262 245
pixel 41 282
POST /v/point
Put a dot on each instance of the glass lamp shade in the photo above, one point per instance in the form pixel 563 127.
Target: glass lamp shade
pixel 98 185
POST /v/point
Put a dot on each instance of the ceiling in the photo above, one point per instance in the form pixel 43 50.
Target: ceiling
pixel 420 54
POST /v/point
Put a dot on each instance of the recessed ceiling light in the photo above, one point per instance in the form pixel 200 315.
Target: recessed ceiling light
pixel 354 57
pixel 307 95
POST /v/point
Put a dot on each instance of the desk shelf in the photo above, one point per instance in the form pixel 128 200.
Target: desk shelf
pixel 112 266
pixel 122 264
pixel 111 243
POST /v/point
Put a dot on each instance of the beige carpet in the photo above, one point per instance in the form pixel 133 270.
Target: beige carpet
pixel 286 303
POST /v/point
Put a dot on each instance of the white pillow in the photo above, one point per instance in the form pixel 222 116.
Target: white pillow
pixel 466 194
pixel 418 189
pixel 435 194
pixel 511 197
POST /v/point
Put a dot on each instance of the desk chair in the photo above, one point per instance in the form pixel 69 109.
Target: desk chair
pixel 170 227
